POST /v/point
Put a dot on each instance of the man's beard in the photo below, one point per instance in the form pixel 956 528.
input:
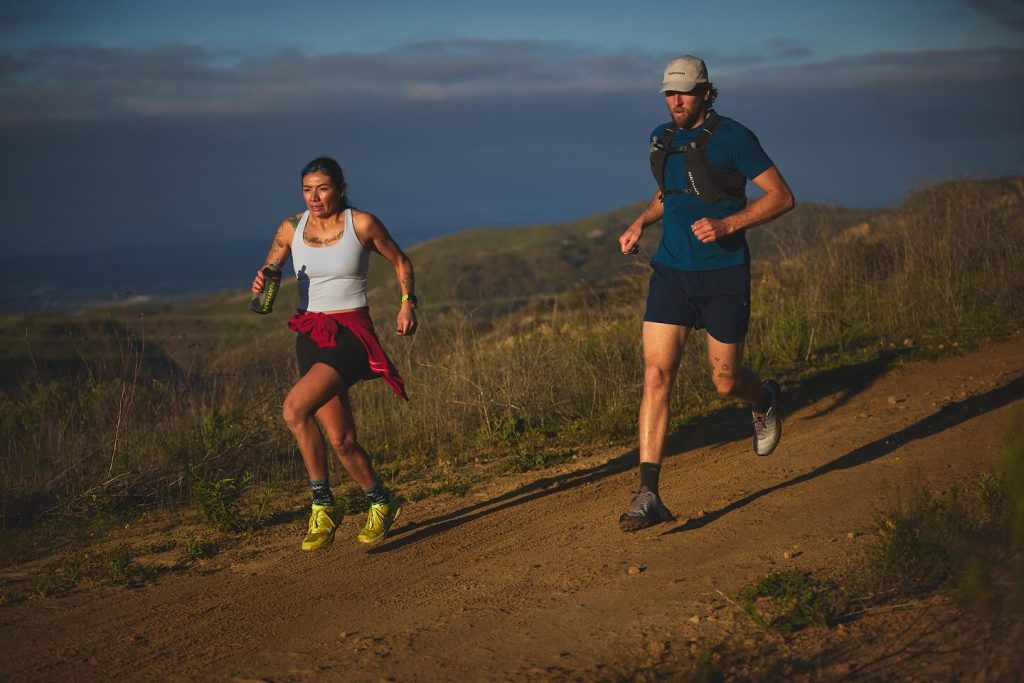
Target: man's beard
pixel 691 117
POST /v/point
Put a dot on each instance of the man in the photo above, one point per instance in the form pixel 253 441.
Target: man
pixel 701 268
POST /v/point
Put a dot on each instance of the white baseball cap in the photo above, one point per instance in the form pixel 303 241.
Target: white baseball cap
pixel 684 73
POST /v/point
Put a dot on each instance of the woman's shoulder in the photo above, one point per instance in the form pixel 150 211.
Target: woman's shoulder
pixel 290 223
pixel 362 216
pixel 364 220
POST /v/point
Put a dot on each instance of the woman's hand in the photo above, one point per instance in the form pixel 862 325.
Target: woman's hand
pixel 257 284
pixel 406 323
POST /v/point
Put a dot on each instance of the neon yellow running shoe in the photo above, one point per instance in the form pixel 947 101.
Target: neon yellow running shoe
pixel 322 524
pixel 379 520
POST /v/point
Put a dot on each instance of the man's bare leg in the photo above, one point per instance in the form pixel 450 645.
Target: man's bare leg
pixel 731 378
pixel 663 349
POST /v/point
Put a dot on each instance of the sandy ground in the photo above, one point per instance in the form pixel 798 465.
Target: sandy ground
pixel 529 578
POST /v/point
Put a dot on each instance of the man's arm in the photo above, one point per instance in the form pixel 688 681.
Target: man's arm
pixel 777 200
pixel 629 242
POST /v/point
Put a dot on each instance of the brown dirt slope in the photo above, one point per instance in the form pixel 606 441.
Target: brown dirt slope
pixel 530 579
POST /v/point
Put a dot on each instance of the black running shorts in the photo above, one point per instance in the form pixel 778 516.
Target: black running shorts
pixel 348 356
pixel 716 300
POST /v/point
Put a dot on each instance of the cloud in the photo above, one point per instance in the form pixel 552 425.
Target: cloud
pixel 772 51
pixel 88 82
pixel 944 68
pixel 788 48
pixel 17 17
pixel 1009 13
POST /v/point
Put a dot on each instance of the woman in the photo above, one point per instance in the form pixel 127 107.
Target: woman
pixel 336 345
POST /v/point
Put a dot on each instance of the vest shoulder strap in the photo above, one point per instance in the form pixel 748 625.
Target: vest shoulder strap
pixel 716 185
pixel 707 131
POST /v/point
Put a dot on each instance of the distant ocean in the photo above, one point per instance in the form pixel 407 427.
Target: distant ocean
pixel 72 282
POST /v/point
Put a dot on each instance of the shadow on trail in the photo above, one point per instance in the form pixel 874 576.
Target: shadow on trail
pixel 722 426
pixel 851 380
pixel 524 494
pixel 949 416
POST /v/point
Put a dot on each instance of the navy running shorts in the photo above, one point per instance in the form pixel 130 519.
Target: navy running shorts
pixel 348 356
pixel 715 300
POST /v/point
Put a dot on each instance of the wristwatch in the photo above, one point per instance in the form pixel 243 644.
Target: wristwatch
pixel 411 298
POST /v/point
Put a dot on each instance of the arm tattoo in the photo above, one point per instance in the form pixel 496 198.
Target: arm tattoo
pixel 279 247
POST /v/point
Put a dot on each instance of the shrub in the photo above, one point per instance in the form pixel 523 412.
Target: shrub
pixel 968 536
pixel 220 502
pixel 789 601
pixel 116 566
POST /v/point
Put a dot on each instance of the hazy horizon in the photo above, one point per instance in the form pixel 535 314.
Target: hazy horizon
pixel 172 123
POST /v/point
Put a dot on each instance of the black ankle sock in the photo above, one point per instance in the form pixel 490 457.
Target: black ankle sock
pixel 322 491
pixel 649 476
pixel 378 494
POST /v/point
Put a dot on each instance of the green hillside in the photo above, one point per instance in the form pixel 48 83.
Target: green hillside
pixel 487 271
pixel 504 267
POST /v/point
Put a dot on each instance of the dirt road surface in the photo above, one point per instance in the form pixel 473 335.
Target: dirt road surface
pixel 529 578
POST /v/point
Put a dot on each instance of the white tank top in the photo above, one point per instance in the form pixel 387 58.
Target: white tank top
pixel 330 278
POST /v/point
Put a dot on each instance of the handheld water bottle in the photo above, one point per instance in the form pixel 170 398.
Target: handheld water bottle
pixel 263 302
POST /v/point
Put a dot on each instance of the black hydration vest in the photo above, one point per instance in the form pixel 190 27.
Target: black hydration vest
pixel 702 180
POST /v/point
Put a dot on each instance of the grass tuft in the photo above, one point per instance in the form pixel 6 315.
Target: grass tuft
pixel 222 502
pixel 790 600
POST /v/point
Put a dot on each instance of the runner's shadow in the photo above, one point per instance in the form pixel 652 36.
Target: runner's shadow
pixel 720 427
pixel 726 425
pixel 949 416
pixel 854 379
pixel 545 486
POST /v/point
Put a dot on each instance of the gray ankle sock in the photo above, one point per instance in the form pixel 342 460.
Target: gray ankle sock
pixel 322 491
pixel 378 494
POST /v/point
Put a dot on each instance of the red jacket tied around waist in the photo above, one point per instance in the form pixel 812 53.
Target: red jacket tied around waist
pixel 322 328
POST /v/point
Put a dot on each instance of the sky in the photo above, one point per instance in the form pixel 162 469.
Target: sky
pixel 175 123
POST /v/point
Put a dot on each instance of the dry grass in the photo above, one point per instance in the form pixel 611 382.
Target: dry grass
pixel 558 375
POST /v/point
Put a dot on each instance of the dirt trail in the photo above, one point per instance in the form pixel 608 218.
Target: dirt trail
pixel 529 578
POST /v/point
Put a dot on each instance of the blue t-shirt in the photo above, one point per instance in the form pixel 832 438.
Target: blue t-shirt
pixel 733 148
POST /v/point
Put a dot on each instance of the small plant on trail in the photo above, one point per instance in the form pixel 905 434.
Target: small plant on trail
pixel 1012 462
pixel 914 549
pixel 990 490
pixel 456 483
pixel 117 566
pixel 530 449
pixel 789 601
pixel 526 460
pixel 970 536
pixel 929 540
pixel 220 502
pixel 193 549
pixel 697 664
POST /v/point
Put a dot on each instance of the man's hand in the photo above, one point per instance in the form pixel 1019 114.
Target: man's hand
pixel 709 229
pixel 630 240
